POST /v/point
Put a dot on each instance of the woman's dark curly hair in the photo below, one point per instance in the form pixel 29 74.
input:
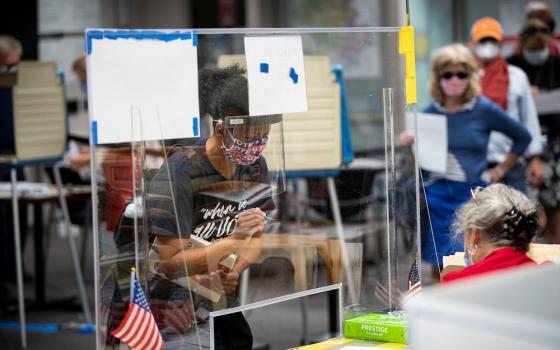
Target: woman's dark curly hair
pixel 223 92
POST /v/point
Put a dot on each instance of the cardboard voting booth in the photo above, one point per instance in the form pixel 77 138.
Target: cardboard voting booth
pixel 33 113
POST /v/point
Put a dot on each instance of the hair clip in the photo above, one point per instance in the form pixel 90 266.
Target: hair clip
pixel 517 222
pixel 475 190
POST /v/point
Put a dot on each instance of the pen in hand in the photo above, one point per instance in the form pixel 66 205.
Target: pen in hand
pixel 267 218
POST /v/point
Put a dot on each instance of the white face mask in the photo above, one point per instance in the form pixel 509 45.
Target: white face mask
pixel 487 51
pixel 536 57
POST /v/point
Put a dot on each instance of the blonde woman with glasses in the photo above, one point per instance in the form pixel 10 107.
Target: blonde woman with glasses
pixel 470 117
pixel 497 225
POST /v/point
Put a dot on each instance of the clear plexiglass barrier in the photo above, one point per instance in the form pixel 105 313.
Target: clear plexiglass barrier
pixel 250 210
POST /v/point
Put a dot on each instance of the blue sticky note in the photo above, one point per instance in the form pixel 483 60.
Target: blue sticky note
pixel 195 125
pixel 264 67
pixel 195 38
pixel 293 75
pixel 94 132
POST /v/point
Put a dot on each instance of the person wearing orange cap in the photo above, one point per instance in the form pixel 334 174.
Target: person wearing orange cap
pixel 508 87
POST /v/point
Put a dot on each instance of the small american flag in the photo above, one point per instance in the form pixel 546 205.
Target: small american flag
pixel 414 283
pixel 113 309
pixel 138 328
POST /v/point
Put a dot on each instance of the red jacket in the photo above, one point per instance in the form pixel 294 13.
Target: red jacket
pixel 500 259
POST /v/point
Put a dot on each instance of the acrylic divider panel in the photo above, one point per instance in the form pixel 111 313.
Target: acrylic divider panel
pixel 259 208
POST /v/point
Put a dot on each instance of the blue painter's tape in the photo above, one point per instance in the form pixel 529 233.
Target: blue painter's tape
pixel 139 35
pixel 47 328
pixel 87 328
pixel 264 67
pixel 94 132
pixel 195 125
pixel 92 34
pixel 194 38
pixel 12 325
pixel 293 75
pixel 32 327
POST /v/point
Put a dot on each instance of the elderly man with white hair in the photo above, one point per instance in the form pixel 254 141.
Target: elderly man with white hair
pixel 10 53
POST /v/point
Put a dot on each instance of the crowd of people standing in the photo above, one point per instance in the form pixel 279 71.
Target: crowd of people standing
pixel 496 133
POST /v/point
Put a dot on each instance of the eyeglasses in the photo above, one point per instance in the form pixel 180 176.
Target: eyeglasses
pixel 248 135
pixel 475 190
pixel 534 30
pixel 460 75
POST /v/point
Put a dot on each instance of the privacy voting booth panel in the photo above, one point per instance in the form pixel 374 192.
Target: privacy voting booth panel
pixel 197 137
pixel 32 113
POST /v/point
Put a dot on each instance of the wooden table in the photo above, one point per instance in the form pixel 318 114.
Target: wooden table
pixel 299 249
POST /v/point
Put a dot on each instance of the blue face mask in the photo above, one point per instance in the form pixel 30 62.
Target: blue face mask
pixel 468 260
pixel 468 255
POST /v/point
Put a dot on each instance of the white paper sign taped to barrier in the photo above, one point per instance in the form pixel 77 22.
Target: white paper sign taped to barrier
pixel 153 72
pixel 276 74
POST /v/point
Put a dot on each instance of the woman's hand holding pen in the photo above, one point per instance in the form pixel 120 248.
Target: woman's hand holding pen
pixel 249 222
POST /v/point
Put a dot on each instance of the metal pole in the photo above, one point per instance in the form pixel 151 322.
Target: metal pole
pixel 19 272
pixel 407 13
pixel 72 244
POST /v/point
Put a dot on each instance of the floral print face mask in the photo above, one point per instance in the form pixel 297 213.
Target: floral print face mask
pixel 244 153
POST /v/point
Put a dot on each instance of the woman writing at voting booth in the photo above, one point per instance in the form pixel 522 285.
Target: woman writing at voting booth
pixel 217 192
pixel 470 119
pixel 497 223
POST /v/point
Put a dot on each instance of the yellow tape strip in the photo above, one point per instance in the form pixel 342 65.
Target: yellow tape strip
pixel 328 344
pixel 406 48
pixel 324 345
pixel 391 346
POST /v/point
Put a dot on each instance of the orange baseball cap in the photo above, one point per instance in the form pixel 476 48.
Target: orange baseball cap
pixel 486 27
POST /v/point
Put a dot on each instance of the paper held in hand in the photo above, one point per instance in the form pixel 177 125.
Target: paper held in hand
pixel 431 135
pixel 190 282
pixel 547 102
